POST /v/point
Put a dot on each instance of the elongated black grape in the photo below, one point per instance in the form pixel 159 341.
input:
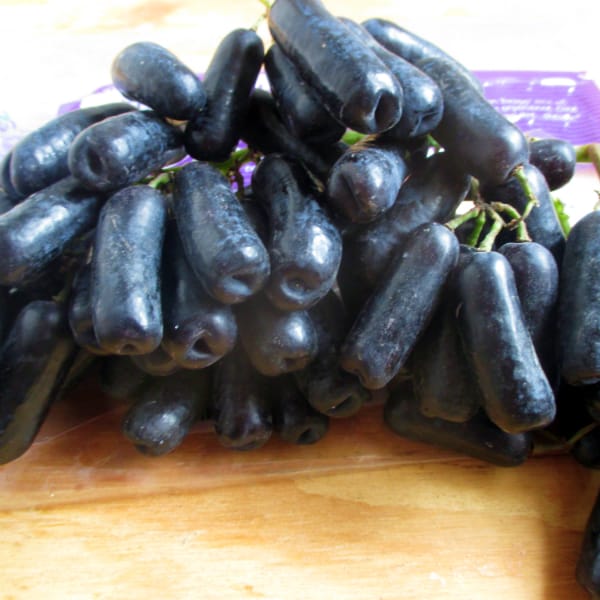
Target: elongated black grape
pixel 410 46
pixel 327 388
pixel 443 381
pixel 41 157
pixel 432 192
pixel 364 182
pixel 241 408
pixel 555 158
pixel 165 410
pixel 157 363
pixel 305 248
pixel 355 85
pixel 35 232
pixel 478 437
pixel 588 562
pixel 516 394
pixel 395 315
pixel 542 223
pixel 123 149
pixel 34 359
pixel 264 130
pixel 275 341
pixel 126 302
pixel 483 141
pixel 213 133
pixel 300 109
pixel 154 76
pixel 422 103
pixel 120 377
pixel 198 330
pixel 80 310
pixel 578 309
pixel 294 419
pixel 220 244
pixel 536 277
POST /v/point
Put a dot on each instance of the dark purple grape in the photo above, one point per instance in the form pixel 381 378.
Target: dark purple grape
pixel 555 158
pixel 154 76
pixel 126 301
pixel 220 244
pixel 213 133
pixel 352 82
pixel 395 315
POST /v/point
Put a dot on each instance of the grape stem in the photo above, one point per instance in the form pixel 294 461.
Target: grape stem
pixel 589 153
pixel 480 220
pixel 517 220
pixel 498 224
pixel 459 220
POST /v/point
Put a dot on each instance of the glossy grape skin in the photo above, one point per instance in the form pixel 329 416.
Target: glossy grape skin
pixel 422 103
pixel 329 389
pixel 410 46
pixel 126 301
pixel 432 192
pixel 478 437
pixel 198 330
pixel 578 309
pixel 124 149
pixel 364 182
pixel 213 133
pixel 300 109
pixel 294 419
pixel 220 244
pixel 80 310
pixel 38 230
pixel 265 131
pixel 34 360
pixel 241 407
pixel 542 223
pixel 165 410
pixel 41 157
pixel 305 248
pixel 536 277
pixel 443 381
pixel 354 85
pixel 588 562
pixel 276 342
pixel 395 315
pixel 516 393
pixel 555 158
pixel 483 142
pixel 152 75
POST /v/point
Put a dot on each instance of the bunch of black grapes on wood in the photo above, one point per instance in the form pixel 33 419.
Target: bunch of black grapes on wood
pixel 370 229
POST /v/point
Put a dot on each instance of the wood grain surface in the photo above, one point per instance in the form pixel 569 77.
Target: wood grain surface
pixel 362 514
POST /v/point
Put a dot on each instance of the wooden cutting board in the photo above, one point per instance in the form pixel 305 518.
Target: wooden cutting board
pixel 362 514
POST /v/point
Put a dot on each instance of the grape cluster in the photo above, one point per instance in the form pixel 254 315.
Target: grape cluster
pixel 345 270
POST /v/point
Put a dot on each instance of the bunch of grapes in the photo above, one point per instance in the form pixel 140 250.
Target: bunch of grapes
pixel 368 229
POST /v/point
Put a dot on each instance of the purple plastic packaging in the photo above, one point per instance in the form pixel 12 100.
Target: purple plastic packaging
pixel 558 104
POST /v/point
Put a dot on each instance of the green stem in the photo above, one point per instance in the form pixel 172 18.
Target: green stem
pixel 589 153
pixel 518 220
pixel 161 179
pixel 479 225
pixel 520 176
pixel 459 220
pixel 266 4
pixel 351 137
pixel 498 225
